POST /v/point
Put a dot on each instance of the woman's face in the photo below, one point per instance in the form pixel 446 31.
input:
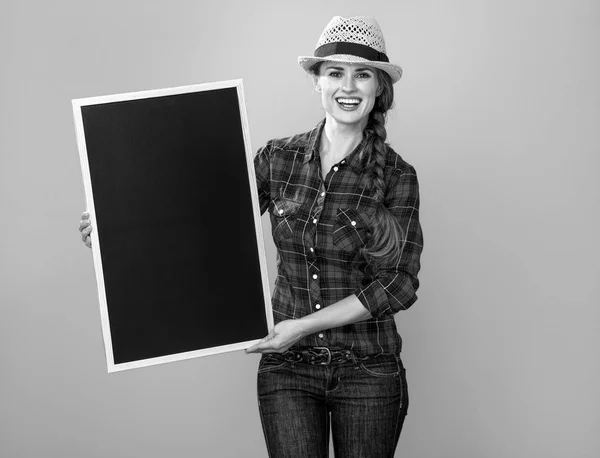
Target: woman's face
pixel 348 91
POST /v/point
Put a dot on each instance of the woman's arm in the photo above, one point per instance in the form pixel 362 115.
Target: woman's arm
pixel 288 332
pixel 395 287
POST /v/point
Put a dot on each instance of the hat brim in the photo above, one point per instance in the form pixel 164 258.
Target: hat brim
pixel 395 72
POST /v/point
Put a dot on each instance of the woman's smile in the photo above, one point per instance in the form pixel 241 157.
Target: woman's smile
pixel 348 103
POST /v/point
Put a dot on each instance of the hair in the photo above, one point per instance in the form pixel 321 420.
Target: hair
pixel 384 247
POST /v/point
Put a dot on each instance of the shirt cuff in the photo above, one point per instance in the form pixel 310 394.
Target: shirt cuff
pixel 374 298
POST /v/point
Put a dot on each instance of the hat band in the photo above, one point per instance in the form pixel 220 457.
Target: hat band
pixel 355 49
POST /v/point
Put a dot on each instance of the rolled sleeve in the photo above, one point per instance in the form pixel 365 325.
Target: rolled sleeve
pixel 262 169
pixel 395 288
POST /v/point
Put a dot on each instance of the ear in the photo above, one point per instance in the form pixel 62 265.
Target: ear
pixel 316 83
pixel 379 91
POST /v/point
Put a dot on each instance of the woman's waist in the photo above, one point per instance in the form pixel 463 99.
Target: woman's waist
pixel 363 343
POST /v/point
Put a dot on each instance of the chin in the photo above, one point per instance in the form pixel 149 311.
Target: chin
pixel 350 118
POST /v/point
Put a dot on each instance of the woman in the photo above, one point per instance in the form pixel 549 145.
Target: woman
pixel 344 210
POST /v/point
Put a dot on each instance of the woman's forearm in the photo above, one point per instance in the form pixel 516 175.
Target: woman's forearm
pixel 348 310
pixel 287 332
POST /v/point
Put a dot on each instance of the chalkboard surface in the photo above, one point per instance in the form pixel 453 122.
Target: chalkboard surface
pixel 178 246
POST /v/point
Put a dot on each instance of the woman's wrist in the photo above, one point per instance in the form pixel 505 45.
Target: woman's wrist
pixel 309 325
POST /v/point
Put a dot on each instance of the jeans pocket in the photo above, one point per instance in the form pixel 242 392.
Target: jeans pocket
pixel 381 366
pixel 271 362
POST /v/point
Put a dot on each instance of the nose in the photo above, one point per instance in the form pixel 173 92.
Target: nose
pixel 349 84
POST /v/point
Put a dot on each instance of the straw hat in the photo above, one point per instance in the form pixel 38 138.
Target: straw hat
pixel 352 40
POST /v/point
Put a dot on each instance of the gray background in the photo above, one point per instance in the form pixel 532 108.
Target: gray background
pixel 498 111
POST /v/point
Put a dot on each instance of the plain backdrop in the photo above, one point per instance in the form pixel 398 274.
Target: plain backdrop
pixel 498 110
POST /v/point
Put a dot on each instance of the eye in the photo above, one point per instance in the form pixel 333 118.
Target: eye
pixel 335 74
pixel 363 75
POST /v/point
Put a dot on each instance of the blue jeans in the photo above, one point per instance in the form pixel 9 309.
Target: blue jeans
pixel 363 402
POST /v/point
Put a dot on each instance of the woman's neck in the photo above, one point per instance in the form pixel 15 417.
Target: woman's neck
pixel 339 140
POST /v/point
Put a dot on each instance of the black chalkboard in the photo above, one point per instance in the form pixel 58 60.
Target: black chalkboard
pixel 177 247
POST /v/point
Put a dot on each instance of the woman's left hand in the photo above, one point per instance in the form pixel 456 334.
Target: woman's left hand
pixel 285 334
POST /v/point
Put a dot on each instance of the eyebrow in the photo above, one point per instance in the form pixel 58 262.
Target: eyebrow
pixel 331 67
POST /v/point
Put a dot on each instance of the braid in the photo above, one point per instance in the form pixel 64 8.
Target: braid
pixel 373 155
pixel 385 244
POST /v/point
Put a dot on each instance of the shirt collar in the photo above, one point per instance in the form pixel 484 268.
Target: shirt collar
pixel 314 141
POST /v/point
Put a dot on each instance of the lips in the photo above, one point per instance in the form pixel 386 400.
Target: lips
pixel 348 103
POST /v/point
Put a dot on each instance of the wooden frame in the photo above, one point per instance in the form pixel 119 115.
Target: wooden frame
pixel 163 175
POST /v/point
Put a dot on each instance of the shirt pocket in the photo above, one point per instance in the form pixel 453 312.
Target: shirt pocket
pixel 350 229
pixel 284 213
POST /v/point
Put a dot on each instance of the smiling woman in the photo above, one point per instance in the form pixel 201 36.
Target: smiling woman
pixel 348 262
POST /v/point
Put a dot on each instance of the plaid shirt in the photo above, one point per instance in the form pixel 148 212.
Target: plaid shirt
pixel 318 227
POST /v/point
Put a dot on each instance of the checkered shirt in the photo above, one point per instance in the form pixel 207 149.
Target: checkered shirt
pixel 319 226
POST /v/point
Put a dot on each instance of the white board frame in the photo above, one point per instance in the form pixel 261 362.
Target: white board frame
pixel 96 249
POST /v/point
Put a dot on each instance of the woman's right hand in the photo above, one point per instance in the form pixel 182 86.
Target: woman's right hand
pixel 85 227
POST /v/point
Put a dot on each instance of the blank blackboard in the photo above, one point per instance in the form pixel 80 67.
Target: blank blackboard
pixel 177 240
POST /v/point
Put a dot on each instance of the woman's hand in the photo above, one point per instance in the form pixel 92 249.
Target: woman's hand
pixel 85 227
pixel 281 338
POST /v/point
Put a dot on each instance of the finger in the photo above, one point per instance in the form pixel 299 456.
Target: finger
pixel 85 235
pixel 85 215
pixel 252 349
pixel 268 346
pixel 86 230
pixel 256 348
pixel 260 345
pixel 88 242
pixel 84 223
pixel 262 348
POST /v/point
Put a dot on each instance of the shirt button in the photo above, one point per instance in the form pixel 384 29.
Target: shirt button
pixel 353 223
pixel 315 276
pixel 280 212
pixel 335 169
pixel 312 250
pixel 323 194
pixel 318 306
pixel 315 221
pixel 320 336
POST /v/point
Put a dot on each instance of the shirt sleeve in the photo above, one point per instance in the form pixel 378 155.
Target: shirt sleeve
pixel 262 169
pixel 395 287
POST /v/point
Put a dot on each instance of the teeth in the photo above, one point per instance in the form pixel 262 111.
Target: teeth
pixel 349 101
